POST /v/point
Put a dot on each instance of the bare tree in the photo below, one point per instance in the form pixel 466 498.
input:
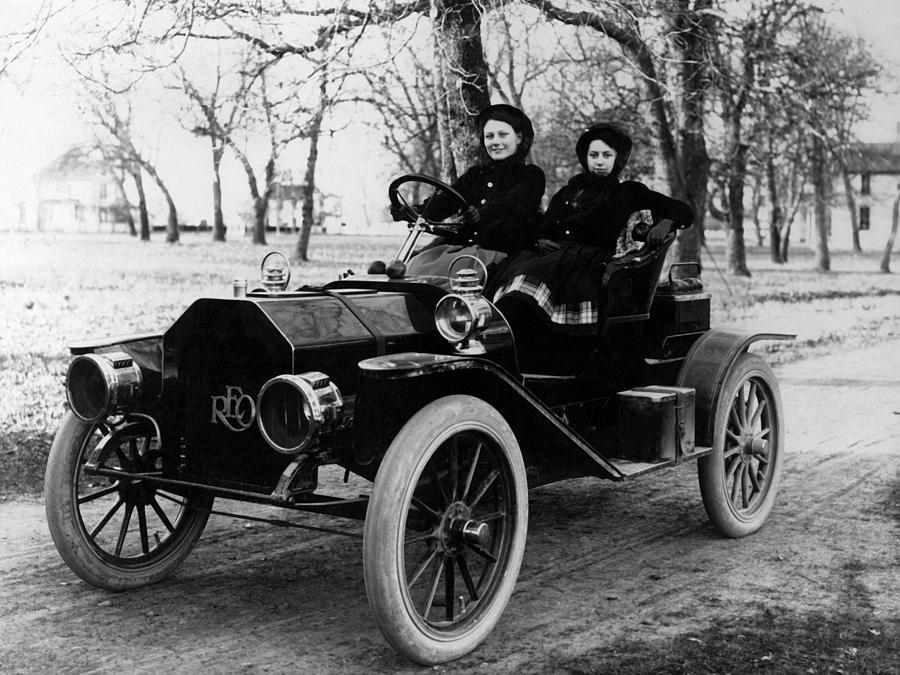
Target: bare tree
pixel 892 237
pixel 111 117
pixel 742 56
pixel 17 39
pixel 402 94
pixel 462 90
pixel 667 44
pixel 824 82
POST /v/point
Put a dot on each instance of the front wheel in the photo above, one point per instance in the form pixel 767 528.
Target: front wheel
pixel 739 479
pixel 445 529
pixel 117 533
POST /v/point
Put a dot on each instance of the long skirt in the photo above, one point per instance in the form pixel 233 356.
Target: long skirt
pixel 563 286
pixel 436 260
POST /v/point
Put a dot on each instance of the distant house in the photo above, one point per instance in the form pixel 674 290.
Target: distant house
pixel 876 179
pixel 286 201
pixel 77 192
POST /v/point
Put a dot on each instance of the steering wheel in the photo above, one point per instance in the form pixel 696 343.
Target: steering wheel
pixel 418 214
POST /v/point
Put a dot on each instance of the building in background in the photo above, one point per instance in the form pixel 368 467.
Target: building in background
pixel 76 192
pixel 875 169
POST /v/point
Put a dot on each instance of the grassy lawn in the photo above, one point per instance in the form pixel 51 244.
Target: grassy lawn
pixel 61 288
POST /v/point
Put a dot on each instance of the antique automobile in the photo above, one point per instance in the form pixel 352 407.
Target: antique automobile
pixel 421 386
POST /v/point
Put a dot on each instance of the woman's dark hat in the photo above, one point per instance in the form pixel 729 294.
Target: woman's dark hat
pixel 503 112
pixel 610 134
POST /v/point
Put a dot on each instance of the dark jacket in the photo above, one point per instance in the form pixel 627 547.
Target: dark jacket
pixel 593 210
pixel 507 195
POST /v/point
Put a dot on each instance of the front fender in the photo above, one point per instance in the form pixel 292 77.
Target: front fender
pixel 706 366
pixel 393 388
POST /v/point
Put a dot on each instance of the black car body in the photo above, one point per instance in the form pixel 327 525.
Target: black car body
pixel 247 397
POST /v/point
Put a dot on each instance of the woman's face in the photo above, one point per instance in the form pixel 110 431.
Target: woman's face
pixel 500 139
pixel 600 158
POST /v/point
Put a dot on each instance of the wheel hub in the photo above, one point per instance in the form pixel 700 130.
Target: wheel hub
pixel 458 529
pixel 753 446
pixel 137 492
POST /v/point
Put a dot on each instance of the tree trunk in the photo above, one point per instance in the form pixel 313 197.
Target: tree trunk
pixel 259 203
pixel 696 29
pixel 850 195
pixel 119 178
pixel 309 179
pixel 142 202
pixel 219 228
pixel 172 223
pixel 464 76
pixel 737 255
pixel 757 202
pixel 895 217
pixel 820 191
pixel 776 212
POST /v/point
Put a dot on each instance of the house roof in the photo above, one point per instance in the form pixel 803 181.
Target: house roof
pixel 875 158
pixel 77 162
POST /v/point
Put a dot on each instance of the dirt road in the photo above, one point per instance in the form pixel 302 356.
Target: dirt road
pixel 606 566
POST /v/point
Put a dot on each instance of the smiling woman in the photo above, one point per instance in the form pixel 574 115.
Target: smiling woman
pixel 502 193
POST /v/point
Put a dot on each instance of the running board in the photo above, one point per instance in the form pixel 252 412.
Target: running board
pixel 630 469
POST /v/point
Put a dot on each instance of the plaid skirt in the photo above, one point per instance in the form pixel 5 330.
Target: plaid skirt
pixel 563 286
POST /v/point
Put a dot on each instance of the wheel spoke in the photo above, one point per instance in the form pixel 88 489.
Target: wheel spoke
pixel 746 492
pixel 174 498
pixel 732 450
pixel 484 554
pixel 124 464
pixel 126 520
pixel 419 537
pixel 99 493
pixel 467 577
pixel 161 515
pixel 454 470
pixel 103 521
pixel 422 506
pixel 735 481
pixel 471 474
pixel 734 419
pixel 752 401
pixel 429 601
pixel 755 477
pixel 485 485
pixel 742 405
pixel 493 515
pixel 142 526
pixel 757 414
pixel 436 477
pixel 422 566
pixel 449 588
pixel 731 467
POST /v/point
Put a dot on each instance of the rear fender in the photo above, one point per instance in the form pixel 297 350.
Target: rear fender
pixel 393 388
pixel 707 365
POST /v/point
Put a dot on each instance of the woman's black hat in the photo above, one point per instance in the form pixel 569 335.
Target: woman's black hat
pixel 610 134
pixel 503 112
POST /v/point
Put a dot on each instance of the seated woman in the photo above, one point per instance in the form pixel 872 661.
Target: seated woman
pixel 503 193
pixel 587 222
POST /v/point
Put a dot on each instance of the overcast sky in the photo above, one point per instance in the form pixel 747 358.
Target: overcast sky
pixel 39 121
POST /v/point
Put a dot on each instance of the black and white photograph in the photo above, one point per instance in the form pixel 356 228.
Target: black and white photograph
pixel 416 336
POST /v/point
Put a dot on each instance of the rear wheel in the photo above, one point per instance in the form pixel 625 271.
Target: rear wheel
pixel 739 479
pixel 445 529
pixel 117 533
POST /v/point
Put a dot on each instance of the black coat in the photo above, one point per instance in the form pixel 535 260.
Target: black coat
pixel 507 195
pixel 593 211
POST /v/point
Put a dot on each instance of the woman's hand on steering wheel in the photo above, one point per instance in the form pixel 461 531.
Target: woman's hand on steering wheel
pixel 401 209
